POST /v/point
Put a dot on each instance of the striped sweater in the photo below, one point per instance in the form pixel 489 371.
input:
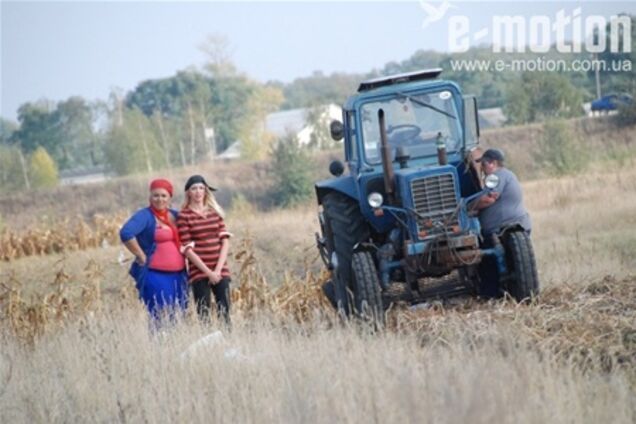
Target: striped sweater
pixel 206 232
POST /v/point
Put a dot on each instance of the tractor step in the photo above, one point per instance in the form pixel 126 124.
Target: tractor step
pixel 443 290
pixel 429 289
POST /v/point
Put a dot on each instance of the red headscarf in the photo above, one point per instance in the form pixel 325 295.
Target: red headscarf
pixel 161 183
pixel 163 215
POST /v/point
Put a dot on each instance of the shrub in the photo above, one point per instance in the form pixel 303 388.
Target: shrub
pixel 43 169
pixel 291 172
pixel 626 115
pixel 241 207
pixel 559 149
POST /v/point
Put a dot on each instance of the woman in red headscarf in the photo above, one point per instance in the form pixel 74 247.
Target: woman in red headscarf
pixel 159 267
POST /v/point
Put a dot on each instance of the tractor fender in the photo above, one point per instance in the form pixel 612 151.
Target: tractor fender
pixel 344 185
pixel 509 228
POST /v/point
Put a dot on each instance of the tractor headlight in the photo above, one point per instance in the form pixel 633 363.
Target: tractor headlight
pixel 492 181
pixel 375 200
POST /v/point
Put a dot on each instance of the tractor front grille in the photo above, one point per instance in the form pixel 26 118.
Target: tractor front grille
pixel 435 201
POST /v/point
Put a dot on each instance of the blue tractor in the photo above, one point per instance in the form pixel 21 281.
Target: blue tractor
pixel 401 215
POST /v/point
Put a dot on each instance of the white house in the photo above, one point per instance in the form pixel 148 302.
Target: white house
pixel 491 118
pixel 232 152
pixel 294 122
pixel 97 174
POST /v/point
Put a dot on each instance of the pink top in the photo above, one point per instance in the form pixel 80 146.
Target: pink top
pixel 166 256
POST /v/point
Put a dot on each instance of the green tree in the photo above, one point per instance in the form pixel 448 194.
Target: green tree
pixel 191 102
pixel 217 50
pixel 12 175
pixel 43 169
pixel 518 104
pixel 194 99
pixel 319 89
pixel 291 167
pixel 170 105
pixel 76 143
pixel 133 145
pixel 36 124
pixel 541 95
pixel 7 128
pixel 255 140
pixel 64 129
pixel 230 108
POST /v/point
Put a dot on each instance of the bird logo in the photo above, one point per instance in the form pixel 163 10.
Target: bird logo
pixel 434 13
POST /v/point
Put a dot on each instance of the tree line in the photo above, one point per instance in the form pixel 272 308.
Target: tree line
pixel 197 113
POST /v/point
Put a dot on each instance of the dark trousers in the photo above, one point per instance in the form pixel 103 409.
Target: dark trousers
pixel 202 290
pixel 490 286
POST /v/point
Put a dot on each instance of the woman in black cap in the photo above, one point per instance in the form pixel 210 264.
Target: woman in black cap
pixel 206 244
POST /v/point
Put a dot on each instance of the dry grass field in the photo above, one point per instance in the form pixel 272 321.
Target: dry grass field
pixel 75 344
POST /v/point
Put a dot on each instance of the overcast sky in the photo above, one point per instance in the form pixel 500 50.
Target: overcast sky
pixel 56 49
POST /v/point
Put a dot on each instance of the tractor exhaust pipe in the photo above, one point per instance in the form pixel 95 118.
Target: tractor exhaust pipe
pixel 387 165
pixel 442 159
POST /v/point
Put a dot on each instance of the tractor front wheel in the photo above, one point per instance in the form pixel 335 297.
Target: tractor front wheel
pixel 368 293
pixel 523 281
pixel 344 227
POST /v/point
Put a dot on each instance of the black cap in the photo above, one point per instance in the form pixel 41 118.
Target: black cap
pixel 492 154
pixel 196 179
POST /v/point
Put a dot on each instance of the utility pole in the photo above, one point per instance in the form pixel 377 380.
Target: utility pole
pixel 598 79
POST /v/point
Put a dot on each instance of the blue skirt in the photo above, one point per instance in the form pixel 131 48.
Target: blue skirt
pixel 164 290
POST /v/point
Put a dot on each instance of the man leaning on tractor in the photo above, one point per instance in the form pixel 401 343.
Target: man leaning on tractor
pixel 501 207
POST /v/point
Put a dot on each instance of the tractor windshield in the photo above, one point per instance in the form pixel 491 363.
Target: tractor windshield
pixel 415 122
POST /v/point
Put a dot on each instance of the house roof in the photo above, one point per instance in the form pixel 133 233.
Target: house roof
pixel 232 152
pixel 491 118
pixel 286 121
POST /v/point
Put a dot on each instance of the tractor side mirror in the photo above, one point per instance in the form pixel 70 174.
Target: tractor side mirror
pixel 337 130
pixel 471 122
pixel 336 168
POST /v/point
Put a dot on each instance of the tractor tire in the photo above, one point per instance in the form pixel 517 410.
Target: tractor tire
pixel 367 292
pixel 469 277
pixel 523 281
pixel 344 227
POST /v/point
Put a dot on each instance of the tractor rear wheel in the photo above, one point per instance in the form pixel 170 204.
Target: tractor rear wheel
pixel 343 228
pixel 367 293
pixel 523 283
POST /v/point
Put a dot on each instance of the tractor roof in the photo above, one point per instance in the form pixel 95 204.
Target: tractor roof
pixel 399 78
pixel 423 79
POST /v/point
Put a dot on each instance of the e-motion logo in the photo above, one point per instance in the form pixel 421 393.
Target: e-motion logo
pixel 569 33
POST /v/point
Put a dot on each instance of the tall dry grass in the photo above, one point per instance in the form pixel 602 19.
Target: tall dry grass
pixel 81 354
pixel 584 226
pixel 456 367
